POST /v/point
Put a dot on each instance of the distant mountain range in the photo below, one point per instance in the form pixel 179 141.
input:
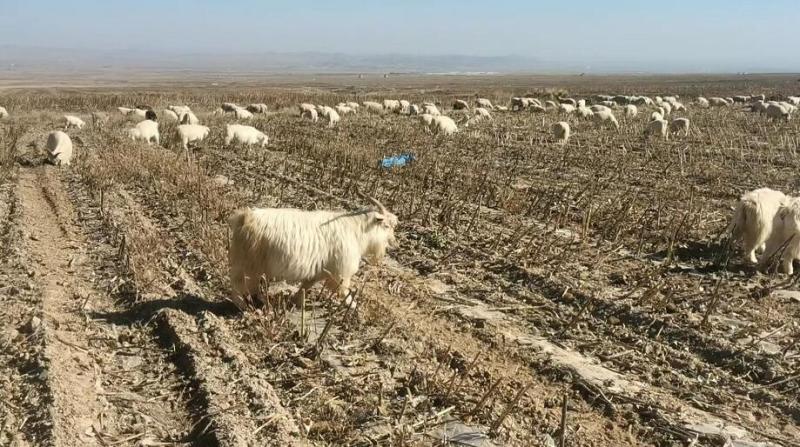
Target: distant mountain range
pixel 55 60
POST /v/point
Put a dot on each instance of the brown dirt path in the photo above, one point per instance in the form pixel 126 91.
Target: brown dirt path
pixel 108 385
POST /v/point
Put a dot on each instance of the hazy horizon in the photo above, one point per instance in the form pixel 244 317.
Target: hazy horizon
pixel 628 35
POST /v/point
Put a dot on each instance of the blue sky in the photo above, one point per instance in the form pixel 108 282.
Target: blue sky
pixel 752 33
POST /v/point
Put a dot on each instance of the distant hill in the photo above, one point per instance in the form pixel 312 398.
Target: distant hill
pixel 54 59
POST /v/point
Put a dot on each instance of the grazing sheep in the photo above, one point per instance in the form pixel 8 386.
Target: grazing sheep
pixel 753 219
pixel 584 112
pixel 667 107
pixel 631 111
pixel 621 100
pixel 172 116
pixel 310 114
pixel 189 118
pixel 599 108
pixel 99 119
pixel 229 107
pixel 431 109
pixel 73 121
pixel 657 127
pixel 124 110
pixel 569 101
pixel 189 133
pixel 609 104
pixel 331 115
pixel 246 135
pixel 353 105
pixel 679 124
pixel 426 119
pixel 414 109
pixel 404 106
pixel 146 130
pixel 180 110
pixel 581 103
pixel 460 104
pixel 566 108
pixel 758 106
pixel 741 99
pixel 605 118
pixel 305 247
pixel 678 106
pixel 3 113
pixel 257 108
pixel 655 116
pixel 718 102
pixel 242 114
pixel 139 113
pixel 391 105
pixel 784 234
pixel 561 131
pixel 444 125
pixel 342 109
pixel 483 113
pixel 373 107
pixel 306 106
pixel 758 98
pixel 59 148
pixel 537 109
pixel 550 105
pixel 485 103
pixel 776 112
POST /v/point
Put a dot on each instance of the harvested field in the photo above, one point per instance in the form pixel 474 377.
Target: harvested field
pixel 539 291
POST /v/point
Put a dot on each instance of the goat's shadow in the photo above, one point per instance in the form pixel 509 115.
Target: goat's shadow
pixel 145 311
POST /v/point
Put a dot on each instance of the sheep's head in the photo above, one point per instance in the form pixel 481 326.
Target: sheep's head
pixel 380 230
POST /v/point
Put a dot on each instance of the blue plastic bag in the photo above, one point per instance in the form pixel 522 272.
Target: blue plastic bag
pixel 397 161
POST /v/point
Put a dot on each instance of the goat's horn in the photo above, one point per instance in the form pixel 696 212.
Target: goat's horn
pixel 375 202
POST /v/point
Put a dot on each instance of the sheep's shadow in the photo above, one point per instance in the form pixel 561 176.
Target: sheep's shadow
pixel 145 311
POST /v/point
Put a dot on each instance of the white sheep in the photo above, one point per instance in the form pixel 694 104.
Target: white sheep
pixel 353 105
pixel 679 124
pixel 667 108
pixel 229 107
pixel 310 114
pixel 306 106
pixel 257 108
pixel 391 105
pixel 246 135
pixel 718 102
pixel 404 106
pixel 170 114
pixel 501 108
pixel 331 115
pixel 483 113
pixel 485 103
pixel 609 104
pixel 566 108
pixel 427 119
pixel 657 127
pixel 189 133
pixel 430 109
pixel 550 105
pixel 655 116
pixel 414 109
pixel 784 234
pixel 373 107
pixel 460 104
pixel 605 118
pixel 3 112
pixel 187 117
pixel 631 111
pixel 569 101
pixel 584 112
pixel 777 112
pixel 753 219
pixel 124 110
pixel 343 109
pixel 444 125
pixel 59 148
pixel 304 247
pixel 242 114
pixel 146 130
pixel 599 108
pixel 73 121
pixel 138 113
pixel 561 131
pixel 180 110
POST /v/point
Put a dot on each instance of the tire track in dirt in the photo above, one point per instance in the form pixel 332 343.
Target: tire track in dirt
pixel 108 385
pixel 237 407
pixel 24 415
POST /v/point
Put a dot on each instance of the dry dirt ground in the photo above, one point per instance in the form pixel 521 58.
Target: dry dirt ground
pixel 539 292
